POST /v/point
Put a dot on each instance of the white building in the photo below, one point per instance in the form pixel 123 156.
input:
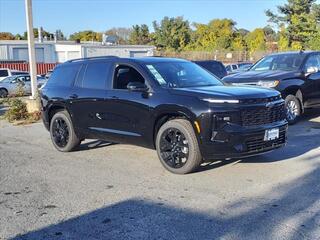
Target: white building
pixel 51 52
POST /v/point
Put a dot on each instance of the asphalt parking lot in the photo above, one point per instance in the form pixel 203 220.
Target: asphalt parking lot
pixel 113 191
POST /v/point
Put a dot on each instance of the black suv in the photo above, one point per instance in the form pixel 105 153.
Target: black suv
pixel 295 74
pixel 171 105
pixel 215 67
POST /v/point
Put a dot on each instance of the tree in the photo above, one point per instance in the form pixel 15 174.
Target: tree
pixel 36 34
pixel 172 33
pixel 123 34
pixel 6 36
pixel 217 34
pixel 140 35
pixel 300 18
pixel 87 35
pixel 283 43
pixel 256 40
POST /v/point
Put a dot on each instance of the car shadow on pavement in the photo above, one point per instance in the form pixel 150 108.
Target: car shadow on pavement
pixel 289 211
pixel 94 144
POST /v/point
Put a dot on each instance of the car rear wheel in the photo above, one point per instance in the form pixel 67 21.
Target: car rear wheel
pixel 62 133
pixel 293 107
pixel 177 147
pixel 3 93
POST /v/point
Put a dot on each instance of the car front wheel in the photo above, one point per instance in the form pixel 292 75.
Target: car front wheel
pixel 62 133
pixel 177 147
pixel 3 93
pixel 293 108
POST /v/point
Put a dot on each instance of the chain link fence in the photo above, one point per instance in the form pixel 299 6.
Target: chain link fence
pixel 222 56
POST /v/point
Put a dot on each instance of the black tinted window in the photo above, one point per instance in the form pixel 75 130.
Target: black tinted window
pixel 3 73
pixel 95 75
pixel 214 67
pixel 125 75
pixel 63 76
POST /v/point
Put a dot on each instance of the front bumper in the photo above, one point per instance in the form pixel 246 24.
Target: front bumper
pixel 241 142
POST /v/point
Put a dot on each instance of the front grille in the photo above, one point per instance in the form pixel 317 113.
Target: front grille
pixel 260 100
pixel 257 143
pixel 263 115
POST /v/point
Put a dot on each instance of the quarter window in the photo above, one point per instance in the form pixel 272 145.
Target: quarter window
pixel 3 73
pixel 63 76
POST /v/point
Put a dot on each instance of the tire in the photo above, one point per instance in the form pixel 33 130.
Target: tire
pixel 62 132
pixel 293 107
pixel 3 93
pixel 185 156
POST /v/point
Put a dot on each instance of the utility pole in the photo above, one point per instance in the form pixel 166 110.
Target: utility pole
pixel 32 54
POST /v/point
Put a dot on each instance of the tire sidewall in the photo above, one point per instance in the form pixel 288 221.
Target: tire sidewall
pixel 296 100
pixel 72 137
pixel 3 93
pixel 193 146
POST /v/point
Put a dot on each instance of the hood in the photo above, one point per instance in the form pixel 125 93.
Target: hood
pixel 228 92
pixel 254 76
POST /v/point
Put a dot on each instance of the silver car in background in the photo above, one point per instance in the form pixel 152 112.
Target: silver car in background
pixel 10 85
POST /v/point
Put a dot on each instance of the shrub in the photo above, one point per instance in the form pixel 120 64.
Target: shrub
pixel 17 110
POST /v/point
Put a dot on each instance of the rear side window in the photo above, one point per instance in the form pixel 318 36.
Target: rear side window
pixel 94 75
pixel 63 76
pixel 3 73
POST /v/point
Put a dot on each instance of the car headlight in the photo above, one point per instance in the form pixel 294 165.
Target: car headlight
pixel 268 84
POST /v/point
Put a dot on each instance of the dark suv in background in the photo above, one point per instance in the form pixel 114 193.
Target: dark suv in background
pixel 215 67
pixel 174 106
pixel 295 74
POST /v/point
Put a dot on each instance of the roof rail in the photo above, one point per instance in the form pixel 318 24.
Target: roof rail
pixel 90 58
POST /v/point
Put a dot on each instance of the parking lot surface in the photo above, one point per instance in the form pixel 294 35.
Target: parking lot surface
pixel 114 191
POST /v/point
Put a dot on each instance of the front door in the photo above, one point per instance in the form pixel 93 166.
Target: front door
pixel 312 85
pixel 128 112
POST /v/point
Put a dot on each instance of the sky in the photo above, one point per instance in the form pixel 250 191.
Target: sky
pixel 100 15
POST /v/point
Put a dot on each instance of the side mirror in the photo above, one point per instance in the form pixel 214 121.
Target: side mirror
pixel 311 70
pixel 137 87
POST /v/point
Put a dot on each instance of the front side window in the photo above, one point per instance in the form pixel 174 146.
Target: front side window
pixel 313 61
pixel 282 62
pixel 181 75
pixel 124 75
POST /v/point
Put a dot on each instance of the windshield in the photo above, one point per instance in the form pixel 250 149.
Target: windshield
pixel 8 79
pixel 283 62
pixel 181 75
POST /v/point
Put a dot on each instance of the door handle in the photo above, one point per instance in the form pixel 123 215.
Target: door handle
pixel 114 97
pixel 73 96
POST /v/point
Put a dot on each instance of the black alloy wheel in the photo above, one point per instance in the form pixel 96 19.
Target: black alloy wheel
pixel 60 132
pixel 174 148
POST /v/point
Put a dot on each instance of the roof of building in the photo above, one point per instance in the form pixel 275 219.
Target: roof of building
pixel 86 44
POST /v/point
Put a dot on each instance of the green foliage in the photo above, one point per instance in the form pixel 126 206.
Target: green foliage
pixel 6 36
pixel 256 40
pixel 218 34
pixel 300 18
pixel 17 110
pixel 172 33
pixel 283 43
pixel 87 35
pixel 140 35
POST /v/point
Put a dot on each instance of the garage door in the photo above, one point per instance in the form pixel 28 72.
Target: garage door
pixel 138 53
pixel 22 54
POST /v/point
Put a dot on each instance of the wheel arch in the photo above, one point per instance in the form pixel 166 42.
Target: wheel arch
pixel 164 117
pixel 295 91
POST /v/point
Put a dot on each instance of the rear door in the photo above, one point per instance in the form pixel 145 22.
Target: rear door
pixel 88 96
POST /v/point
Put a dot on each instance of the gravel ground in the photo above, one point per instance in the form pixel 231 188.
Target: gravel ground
pixel 114 191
